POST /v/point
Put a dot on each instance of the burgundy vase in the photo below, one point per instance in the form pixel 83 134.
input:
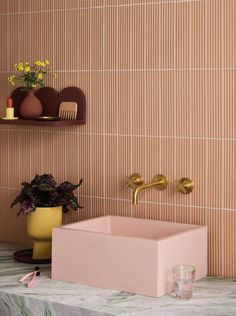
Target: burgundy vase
pixel 31 107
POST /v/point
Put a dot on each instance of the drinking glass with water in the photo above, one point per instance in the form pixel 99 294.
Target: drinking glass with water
pixel 183 277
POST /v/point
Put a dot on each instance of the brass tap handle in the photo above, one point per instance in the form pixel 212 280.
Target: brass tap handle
pixel 184 185
pixel 161 182
pixel 134 180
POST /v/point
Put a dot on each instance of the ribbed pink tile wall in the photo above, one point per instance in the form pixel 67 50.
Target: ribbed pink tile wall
pixel 159 77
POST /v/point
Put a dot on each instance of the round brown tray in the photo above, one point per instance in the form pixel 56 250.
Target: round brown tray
pixel 25 256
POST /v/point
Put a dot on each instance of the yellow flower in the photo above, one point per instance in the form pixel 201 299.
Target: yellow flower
pixel 20 67
pixel 31 75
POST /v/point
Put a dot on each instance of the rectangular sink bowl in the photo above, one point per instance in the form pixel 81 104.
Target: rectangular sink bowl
pixel 127 254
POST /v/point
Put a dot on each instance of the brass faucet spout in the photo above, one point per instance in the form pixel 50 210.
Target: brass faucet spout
pixel 140 188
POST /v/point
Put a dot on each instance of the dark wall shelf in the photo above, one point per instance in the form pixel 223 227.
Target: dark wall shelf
pixel 51 101
pixel 40 122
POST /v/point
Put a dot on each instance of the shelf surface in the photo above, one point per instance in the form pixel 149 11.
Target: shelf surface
pixel 41 122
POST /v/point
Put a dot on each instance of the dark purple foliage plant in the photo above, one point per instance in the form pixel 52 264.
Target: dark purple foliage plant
pixel 43 191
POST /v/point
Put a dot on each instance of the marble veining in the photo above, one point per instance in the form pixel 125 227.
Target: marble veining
pixel 212 296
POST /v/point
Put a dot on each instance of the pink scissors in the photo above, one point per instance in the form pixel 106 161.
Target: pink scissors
pixel 30 278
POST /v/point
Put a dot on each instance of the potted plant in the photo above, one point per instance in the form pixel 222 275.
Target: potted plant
pixel 30 77
pixel 43 201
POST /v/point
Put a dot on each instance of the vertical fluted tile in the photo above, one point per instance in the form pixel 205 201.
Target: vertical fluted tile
pixel 97 3
pixel 110 103
pixel 183 104
pixel 182 34
pixel 229 174
pixel 167 213
pixel 137 34
pixel 111 207
pixel 153 211
pixel 139 210
pixel 24 5
pixel 35 27
pixel 5 213
pixel 214 33
pixel 74 4
pixel 96 102
pixel 214 104
pixel 13 6
pixel 59 164
pixel 110 39
pixel 111 166
pixel 229 255
pixel 138 108
pixel 97 207
pixel 160 118
pixel 154 115
pixel 97 180
pixel 199 105
pixel 24 37
pixel 4 41
pixel 229 104
pixel 4 5
pixel 215 226
pixel 13 44
pixel 124 99
pixel 198 172
pixel 229 44
pixel 23 155
pixel 124 157
pixel 215 183
pixel 59 4
pixel 14 159
pixel 72 49
pixel 84 39
pixel 48 152
pixel 153 35
pixel 183 214
pixel 198 34
pixel 97 38
pixel 84 155
pixel 167 42
pixel 124 37
pixel 4 158
pixel 199 216
pixel 59 20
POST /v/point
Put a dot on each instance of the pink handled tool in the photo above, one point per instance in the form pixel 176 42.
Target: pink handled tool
pixel 30 278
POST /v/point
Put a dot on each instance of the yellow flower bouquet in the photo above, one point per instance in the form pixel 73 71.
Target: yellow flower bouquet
pixel 30 76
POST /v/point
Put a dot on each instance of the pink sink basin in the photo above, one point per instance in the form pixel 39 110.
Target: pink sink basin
pixel 127 254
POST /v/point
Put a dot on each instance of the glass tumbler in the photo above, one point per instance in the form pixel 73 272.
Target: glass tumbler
pixel 183 277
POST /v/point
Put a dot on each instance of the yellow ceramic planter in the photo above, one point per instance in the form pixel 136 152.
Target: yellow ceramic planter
pixel 39 226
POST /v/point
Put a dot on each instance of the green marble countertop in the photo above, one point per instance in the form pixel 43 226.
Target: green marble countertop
pixel 212 296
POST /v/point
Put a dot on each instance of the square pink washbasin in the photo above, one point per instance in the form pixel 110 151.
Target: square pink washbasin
pixel 127 254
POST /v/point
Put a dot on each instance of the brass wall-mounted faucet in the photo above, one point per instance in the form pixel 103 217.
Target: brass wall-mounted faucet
pixel 135 181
